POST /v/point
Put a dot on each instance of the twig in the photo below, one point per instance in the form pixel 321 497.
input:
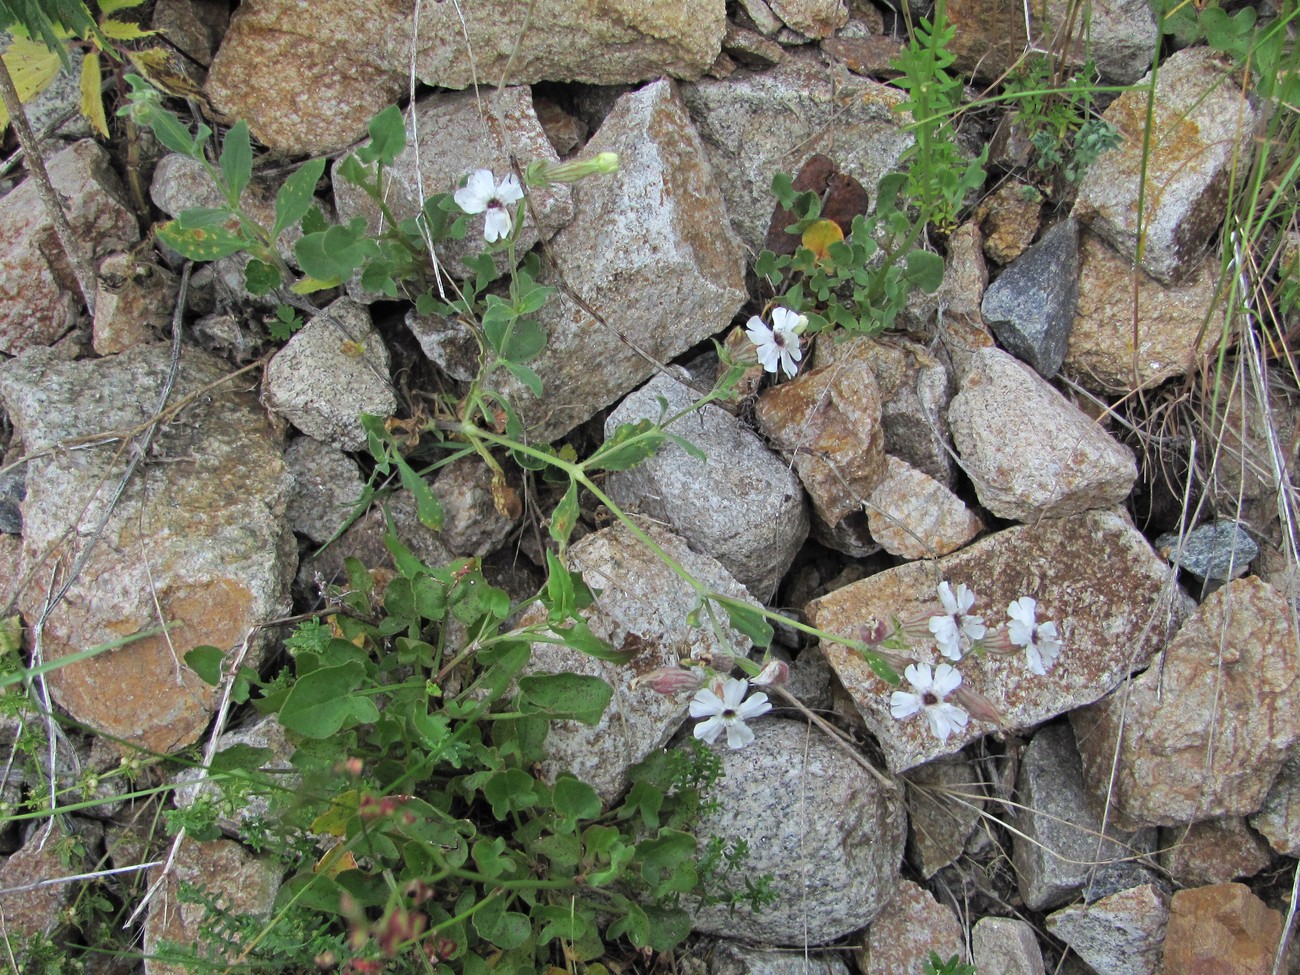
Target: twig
pixel 836 736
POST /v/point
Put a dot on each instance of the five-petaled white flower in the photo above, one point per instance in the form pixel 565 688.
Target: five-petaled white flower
pixel 778 345
pixel 724 705
pixel 950 629
pixel 1041 641
pixel 931 689
pixel 482 193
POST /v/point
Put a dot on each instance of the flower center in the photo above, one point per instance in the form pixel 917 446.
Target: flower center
pixel 778 339
pixel 729 714
pixel 929 698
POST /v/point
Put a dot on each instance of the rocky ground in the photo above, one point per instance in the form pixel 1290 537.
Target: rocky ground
pixel 1133 809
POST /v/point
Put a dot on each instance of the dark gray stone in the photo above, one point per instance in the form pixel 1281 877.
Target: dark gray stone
pixel 13 489
pixel 1216 550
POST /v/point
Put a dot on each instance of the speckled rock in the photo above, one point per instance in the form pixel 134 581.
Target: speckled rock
pixel 914 516
pixel 729 958
pixel 1007 946
pixel 1009 219
pixel 912 925
pixel 1205 733
pixel 1216 550
pixel 473 525
pixel 825 829
pixel 812 18
pixel 742 504
pixel 1213 851
pixel 1093 574
pixel 1220 930
pixel 134 303
pixel 944 805
pixel 326 487
pixel 266 734
pixel 1030 453
pixel 1122 934
pixel 1278 818
pixel 39 911
pixel 1202 119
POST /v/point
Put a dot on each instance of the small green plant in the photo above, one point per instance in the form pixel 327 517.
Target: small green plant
pixel 1057 114
pixel 934 965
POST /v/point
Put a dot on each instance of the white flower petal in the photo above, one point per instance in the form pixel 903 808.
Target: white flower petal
pixel 733 692
pixel 946 597
pixel 706 703
pixel 919 676
pixel 1034 661
pixel 509 190
pixel 708 731
pixel 1020 629
pixel 477 192
pixel 946 636
pixel 496 224
pixel 945 719
pixel 904 705
pixel 946 680
pixel 739 734
pixel 755 705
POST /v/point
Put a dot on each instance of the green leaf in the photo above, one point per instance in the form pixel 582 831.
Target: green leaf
pixel 559 588
pixel 206 662
pixel 427 506
pixel 510 791
pixel 240 756
pixel 631 444
pixel 201 243
pixel 578 636
pixel 261 278
pixel 526 376
pixel 565 516
pixel 387 138
pixel 925 270
pixel 574 799
pixel 336 252
pixel 296 195
pixel 576 697
pixel 236 161
pixel 750 622
pixel 320 703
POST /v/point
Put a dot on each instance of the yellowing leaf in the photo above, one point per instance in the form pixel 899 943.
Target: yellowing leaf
pixel 819 237
pixel 33 66
pixel 308 285
pixel 334 821
pixel 113 6
pixel 162 70
pixel 92 100
pixel 335 860
pixel 120 30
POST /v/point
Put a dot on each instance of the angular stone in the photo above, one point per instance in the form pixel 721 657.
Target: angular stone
pixel 1216 550
pixel 944 803
pixel 812 18
pixel 871 56
pixel 240 882
pixel 1167 323
pixel 1009 219
pixel 642 609
pixel 39 911
pixel 1278 818
pixel 333 369
pixel 135 301
pixel 1118 935
pixel 913 516
pixel 827 424
pixel 798 800
pixel 1201 120
pixel 729 958
pixel 309 78
pixel 1061 849
pixel 649 250
pixel 39 294
pixel 1205 733
pixel 1031 306
pixel 326 487
pixel 266 733
pixel 912 925
pixel 1220 930
pixel 1007 946
pixel 197 540
pixel 194 26
pixel 742 505
pixel 1093 574
pixel 458 134
pixel 1213 851
pixel 758 124
pixel 472 524
pixel 1029 452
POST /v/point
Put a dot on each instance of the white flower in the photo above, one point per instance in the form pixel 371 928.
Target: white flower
pixel 727 711
pixel 481 193
pixel 778 346
pixel 1041 641
pixel 931 690
pixel 955 626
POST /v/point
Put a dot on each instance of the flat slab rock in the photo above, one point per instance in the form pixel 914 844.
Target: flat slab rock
pixel 198 537
pixel 1093 574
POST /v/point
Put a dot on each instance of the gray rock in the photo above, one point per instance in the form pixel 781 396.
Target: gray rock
pixel 134 302
pixel 812 18
pixel 826 830
pixel 1029 452
pixel 39 295
pixel 1094 575
pixel 1122 934
pixel 194 26
pixel 915 517
pixel 1213 851
pixel 729 958
pixel 911 926
pixel 1216 550
pixel 742 505
pixel 198 536
pixel 1278 818
pixel 1201 120
pixel 758 124
pixel 762 16
pixel 1006 946
pixel 642 608
pixel 945 803
pixel 473 525
pixel 320 383
pixel 326 486
pixel 1031 306
pixel 447 343
pixel 649 247
pixel 41 910
pixel 192 784
pixel 1061 849
pixel 13 488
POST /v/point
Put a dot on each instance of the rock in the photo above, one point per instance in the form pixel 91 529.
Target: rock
pixel 870 56
pixel 135 301
pixel 914 393
pixel 53 112
pixel 750 122
pixel 40 910
pixel 643 608
pixel 1220 930
pixel 961 323
pixel 647 242
pixel 913 516
pixel 1007 946
pixel 564 130
pixel 812 18
pixel 826 423
pixel 827 832
pixel 446 343
pixel 1092 574
pixel 1031 305
pixel 39 295
pixel 743 506
pixel 13 488
pixel 1212 851
pixel 1118 935
pixel 945 803
pixel 750 48
pixel 1167 322
pixel 333 369
pixel 194 26
pixel 326 487
pixel 1278 818
pixel 458 134
pixel 472 524
pixel 761 15
pixel 309 80
pixel 266 733
pixel 1029 452
pixel 1009 219
pixel 1205 733
pixel 240 882
pixel 197 538
pixel 912 925
pixel 1063 848
pixel 1200 119
pixel 728 958
pixel 1216 550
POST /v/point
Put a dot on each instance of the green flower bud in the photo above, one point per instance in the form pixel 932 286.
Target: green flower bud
pixel 544 173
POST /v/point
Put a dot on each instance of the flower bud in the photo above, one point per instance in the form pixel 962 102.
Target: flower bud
pixel 543 173
pixel 774 674
pixel 978 706
pixel 670 680
pixel 874 631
